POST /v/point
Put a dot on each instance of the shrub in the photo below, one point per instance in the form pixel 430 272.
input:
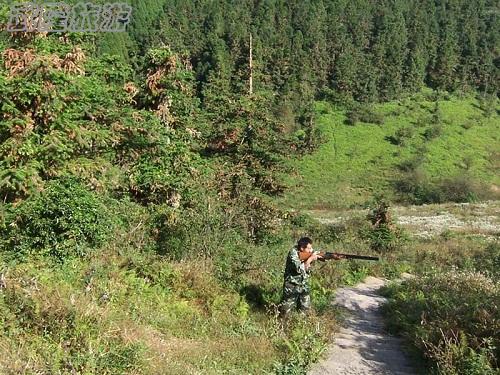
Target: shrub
pixel 414 163
pixel 203 229
pixel 198 231
pixel 402 136
pixel 433 132
pixel 364 113
pixel 303 345
pixel 452 318
pixel 488 261
pixel 321 295
pixel 454 356
pixel 383 235
pixel 419 189
pixel 309 137
pixel 427 193
pixel 458 189
pixel 381 238
pixel 62 221
pixel 469 124
pixel 301 220
pixel 304 224
pixel 487 103
pixel 436 114
pixel 416 188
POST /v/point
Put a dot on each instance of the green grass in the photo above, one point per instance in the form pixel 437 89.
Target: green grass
pixel 451 318
pixel 123 309
pixel 133 312
pixel 359 162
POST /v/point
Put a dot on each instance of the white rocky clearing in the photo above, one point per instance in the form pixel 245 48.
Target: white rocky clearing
pixel 427 221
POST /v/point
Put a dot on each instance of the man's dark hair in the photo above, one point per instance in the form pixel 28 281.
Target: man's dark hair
pixel 303 242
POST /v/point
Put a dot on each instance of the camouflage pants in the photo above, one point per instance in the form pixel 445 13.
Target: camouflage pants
pixel 295 296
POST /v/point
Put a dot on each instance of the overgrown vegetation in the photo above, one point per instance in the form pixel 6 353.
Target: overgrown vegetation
pixel 141 224
pixel 132 210
pixel 452 317
pixel 123 308
pixel 64 221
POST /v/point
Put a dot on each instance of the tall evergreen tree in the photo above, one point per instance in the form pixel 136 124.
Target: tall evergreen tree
pixel 443 68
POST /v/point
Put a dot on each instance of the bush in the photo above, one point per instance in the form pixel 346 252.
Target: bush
pixel 412 165
pixel 382 238
pixel 383 235
pixel 487 103
pixel 458 189
pixel 455 356
pixel 419 189
pixel 304 345
pixel 415 187
pixel 308 138
pixel 436 114
pixel 62 221
pixel 304 224
pixel 402 136
pixel 433 132
pixel 488 261
pixel 452 318
pixel 364 113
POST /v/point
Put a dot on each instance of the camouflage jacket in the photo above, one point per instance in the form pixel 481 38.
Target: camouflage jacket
pixel 295 271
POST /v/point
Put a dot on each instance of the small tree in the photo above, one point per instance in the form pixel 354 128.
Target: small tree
pixel 383 235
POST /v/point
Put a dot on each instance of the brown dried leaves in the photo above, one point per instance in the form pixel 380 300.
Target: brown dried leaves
pixel 18 62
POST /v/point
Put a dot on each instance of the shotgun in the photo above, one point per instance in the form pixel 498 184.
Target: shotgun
pixel 327 255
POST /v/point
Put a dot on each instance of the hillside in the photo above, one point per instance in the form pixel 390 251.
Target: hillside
pixel 150 181
pixel 417 140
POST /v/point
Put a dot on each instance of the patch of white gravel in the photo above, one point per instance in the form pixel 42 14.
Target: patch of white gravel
pixel 426 226
pixel 431 220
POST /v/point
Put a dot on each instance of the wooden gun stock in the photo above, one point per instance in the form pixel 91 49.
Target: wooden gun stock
pixel 326 256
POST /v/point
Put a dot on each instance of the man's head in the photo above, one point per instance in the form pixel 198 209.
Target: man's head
pixel 305 244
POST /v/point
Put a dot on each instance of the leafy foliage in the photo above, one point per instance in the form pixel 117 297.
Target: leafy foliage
pixel 166 148
pixel 64 220
pixel 452 317
pixel 383 235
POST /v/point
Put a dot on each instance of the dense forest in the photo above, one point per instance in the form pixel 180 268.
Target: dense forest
pixel 344 51
pixel 140 171
pixel 361 49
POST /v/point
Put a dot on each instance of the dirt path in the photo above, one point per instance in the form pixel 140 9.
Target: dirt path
pixel 362 347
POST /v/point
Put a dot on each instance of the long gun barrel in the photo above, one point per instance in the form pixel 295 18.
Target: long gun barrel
pixel 326 256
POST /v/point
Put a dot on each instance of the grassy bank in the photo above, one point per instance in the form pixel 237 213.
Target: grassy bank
pixel 128 311
pixel 451 318
pixel 123 308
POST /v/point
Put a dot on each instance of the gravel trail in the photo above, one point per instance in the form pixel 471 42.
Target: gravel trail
pixel 362 347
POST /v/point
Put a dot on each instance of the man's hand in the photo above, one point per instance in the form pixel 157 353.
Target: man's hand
pixel 312 258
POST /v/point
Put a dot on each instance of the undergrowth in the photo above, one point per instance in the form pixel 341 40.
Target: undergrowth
pixel 452 318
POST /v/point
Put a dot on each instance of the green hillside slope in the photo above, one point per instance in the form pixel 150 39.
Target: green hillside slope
pixel 420 141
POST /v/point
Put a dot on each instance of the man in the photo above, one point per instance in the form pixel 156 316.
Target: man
pixel 296 289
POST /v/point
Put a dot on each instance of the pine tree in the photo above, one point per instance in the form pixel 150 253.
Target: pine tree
pixel 442 72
